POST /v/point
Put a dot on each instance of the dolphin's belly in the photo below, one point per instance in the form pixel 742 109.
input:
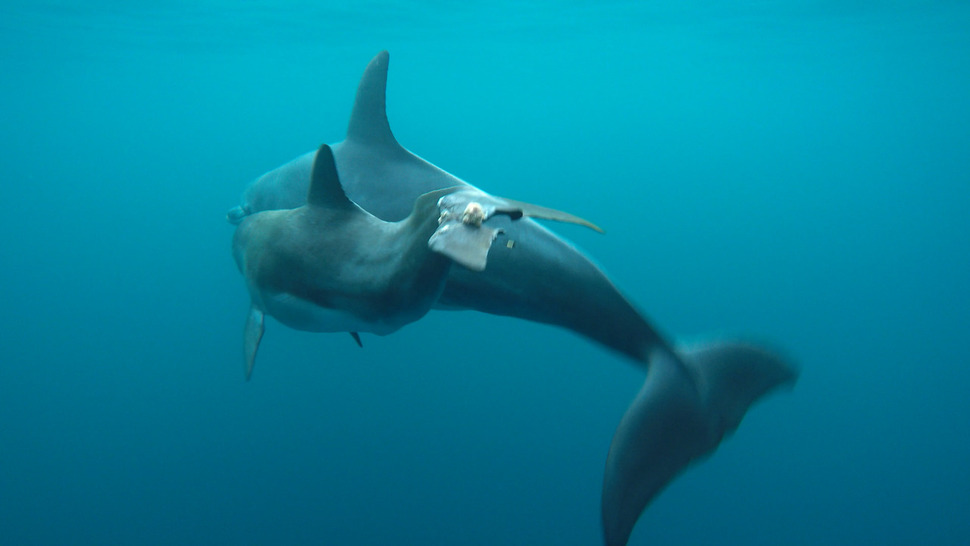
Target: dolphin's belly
pixel 301 314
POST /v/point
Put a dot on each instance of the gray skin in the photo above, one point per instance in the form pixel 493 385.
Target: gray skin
pixel 330 266
pixel 692 397
pixel 384 179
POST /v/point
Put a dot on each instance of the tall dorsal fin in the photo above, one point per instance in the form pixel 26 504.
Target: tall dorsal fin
pixel 368 121
pixel 325 188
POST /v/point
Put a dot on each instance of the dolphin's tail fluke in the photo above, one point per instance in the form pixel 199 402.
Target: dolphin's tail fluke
pixel 690 400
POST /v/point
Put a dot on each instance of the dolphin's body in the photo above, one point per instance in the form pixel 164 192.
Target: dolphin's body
pixel 692 396
pixel 330 266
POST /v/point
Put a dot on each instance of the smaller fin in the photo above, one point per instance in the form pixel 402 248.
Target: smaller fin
pixel 325 189
pixel 466 245
pixel 491 205
pixel 463 233
pixel 518 209
pixel 356 337
pixel 251 338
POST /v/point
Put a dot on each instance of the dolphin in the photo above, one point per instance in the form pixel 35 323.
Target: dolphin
pixel 331 266
pixel 693 396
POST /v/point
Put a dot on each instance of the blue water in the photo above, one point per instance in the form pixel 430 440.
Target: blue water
pixel 799 171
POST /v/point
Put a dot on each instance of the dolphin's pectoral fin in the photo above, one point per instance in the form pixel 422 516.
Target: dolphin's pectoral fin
pixel 251 338
pixel 466 245
pixel 687 405
pixel 518 209
pixel 462 235
pixel 356 337
pixel 475 206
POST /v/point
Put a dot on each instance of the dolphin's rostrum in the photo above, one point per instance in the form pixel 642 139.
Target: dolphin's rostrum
pixel 693 396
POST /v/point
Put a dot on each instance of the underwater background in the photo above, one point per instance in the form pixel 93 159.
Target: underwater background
pixel 795 171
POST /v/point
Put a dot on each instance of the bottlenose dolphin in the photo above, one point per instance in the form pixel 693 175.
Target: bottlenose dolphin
pixel 692 397
pixel 330 266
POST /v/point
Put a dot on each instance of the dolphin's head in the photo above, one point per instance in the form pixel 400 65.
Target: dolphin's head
pixel 279 189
